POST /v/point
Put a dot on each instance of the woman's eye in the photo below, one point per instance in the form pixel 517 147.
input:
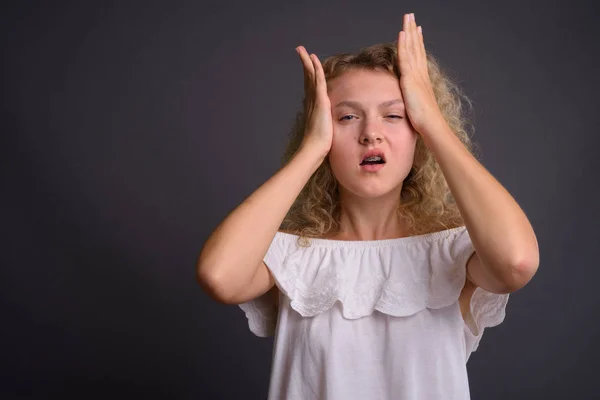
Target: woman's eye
pixel 349 117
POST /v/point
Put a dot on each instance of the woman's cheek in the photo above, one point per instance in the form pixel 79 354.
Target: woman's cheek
pixel 338 140
pixel 337 130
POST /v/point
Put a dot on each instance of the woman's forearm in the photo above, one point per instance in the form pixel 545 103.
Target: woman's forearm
pixel 232 253
pixel 501 233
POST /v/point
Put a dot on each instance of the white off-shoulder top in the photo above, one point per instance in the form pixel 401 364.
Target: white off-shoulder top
pixel 371 319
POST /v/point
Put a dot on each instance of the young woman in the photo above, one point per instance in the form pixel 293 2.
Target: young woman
pixel 382 249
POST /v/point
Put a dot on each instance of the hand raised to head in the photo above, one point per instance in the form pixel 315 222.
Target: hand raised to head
pixel 419 98
pixel 318 134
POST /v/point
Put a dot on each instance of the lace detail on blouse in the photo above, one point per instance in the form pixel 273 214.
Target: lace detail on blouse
pixel 398 277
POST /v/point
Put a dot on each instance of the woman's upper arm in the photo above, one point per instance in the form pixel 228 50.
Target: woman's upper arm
pixel 261 282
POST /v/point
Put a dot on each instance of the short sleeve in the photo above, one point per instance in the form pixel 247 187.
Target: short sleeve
pixel 261 312
pixel 487 309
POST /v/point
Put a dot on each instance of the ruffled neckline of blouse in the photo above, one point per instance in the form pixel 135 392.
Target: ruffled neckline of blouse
pixel 393 242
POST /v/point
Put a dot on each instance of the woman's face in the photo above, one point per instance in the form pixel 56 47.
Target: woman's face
pixel 368 114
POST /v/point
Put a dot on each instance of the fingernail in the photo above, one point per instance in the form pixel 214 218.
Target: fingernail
pixel 412 16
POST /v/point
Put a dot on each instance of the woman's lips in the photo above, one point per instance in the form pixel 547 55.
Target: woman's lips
pixel 372 167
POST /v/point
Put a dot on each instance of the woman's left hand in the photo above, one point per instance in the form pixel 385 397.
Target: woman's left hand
pixel 419 99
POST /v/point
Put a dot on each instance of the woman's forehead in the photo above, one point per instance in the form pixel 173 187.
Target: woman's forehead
pixel 365 87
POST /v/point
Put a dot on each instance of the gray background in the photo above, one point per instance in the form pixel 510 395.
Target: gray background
pixel 129 130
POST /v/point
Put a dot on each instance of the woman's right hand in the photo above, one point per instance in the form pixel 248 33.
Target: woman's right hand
pixel 318 133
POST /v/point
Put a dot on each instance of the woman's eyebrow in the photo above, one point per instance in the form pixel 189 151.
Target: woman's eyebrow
pixel 356 104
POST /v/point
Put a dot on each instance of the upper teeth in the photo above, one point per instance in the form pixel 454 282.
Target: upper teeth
pixel 373 158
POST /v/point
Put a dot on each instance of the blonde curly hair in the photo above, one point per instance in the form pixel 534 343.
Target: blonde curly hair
pixel 425 202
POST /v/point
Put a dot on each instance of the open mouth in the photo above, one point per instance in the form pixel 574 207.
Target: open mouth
pixel 372 160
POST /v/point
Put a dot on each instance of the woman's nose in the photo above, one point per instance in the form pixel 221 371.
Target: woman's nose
pixel 370 133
